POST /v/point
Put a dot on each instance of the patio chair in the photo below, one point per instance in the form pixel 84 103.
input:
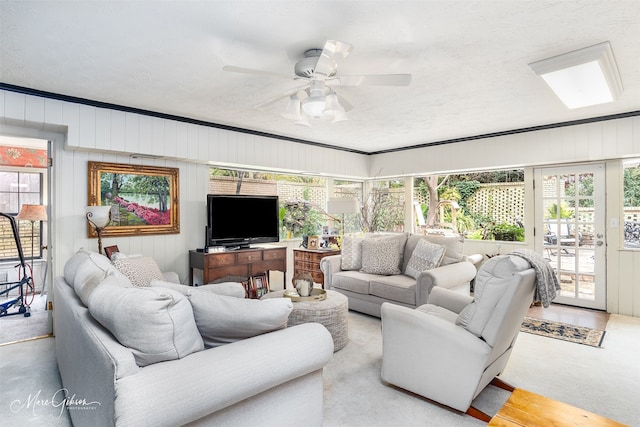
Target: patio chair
pixel 567 235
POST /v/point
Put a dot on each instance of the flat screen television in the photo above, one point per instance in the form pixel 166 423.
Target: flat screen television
pixel 239 221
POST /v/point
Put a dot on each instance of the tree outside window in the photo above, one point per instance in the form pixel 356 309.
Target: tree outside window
pixel 483 205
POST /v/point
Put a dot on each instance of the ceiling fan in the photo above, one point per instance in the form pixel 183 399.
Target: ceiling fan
pixel 316 98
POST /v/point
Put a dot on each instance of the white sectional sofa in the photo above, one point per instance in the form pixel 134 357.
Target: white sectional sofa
pixel 272 378
pixel 402 281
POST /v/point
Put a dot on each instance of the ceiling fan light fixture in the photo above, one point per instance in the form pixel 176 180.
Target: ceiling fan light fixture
pixel 303 121
pixel 292 110
pixel 334 108
pixel 340 117
pixel 314 106
pixel 333 105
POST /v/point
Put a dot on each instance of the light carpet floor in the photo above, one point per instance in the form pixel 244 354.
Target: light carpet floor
pixel 603 380
pixel 17 327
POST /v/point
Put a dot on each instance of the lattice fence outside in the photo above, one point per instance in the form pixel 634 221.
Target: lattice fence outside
pixel 503 202
pixel 288 191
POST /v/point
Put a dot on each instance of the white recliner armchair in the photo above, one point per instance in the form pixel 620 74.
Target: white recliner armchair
pixel 450 349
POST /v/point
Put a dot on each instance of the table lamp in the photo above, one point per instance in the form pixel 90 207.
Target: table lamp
pixel 99 217
pixel 342 205
pixel 32 213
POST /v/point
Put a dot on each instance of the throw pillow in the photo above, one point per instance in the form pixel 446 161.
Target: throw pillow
pixel 454 244
pixel 383 255
pixel 223 319
pixel 140 270
pixel 351 256
pixel 121 255
pixel 84 271
pixel 230 289
pixel 157 324
pixel 425 257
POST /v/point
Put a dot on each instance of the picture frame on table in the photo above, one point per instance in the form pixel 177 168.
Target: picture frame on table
pixel 110 250
pixel 313 242
pixel 144 200
pixel 260 286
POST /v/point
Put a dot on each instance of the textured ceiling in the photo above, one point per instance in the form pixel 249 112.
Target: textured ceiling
pixel 469 60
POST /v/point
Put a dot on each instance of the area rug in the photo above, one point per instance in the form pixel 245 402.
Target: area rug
pixel 563 331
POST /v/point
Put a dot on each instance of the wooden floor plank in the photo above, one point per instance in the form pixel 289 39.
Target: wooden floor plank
pixel 533 410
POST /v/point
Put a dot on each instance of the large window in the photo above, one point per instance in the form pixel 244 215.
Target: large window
pixel 383 207
pixel 302 198
pixel 484 205
pixel 18 187
pixel 632 204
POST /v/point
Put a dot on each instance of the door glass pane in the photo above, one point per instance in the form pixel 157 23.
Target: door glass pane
pixel 632 203
pixel 585 184
pixel 568 186
pixel 572 239
pixel 550 184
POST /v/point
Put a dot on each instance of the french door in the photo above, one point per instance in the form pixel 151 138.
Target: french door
pixel 570 231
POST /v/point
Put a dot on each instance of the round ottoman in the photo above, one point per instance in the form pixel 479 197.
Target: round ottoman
pixel 331 312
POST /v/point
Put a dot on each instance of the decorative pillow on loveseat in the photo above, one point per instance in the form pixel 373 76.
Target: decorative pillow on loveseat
pixel 424 257
pixel 157 324
pixel 351 255
pixel 383 254
pixel 453 243
pixel 223 319
pixel 141 270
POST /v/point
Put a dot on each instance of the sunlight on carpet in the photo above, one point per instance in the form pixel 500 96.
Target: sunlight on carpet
pixel 563 331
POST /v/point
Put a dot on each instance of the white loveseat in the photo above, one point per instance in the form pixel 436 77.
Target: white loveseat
pixel 245 382
pixel 368 286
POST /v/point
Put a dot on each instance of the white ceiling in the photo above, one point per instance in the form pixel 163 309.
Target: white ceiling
pixel 469 60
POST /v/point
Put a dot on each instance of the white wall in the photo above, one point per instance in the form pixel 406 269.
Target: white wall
pixel 613 139
pixel 81 133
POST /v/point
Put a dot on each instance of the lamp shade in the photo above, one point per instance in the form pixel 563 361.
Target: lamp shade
pixel 32 213
pixel 343 205
pixel 99 216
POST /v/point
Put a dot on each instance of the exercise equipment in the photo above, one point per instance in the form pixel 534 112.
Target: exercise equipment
pixel 24 283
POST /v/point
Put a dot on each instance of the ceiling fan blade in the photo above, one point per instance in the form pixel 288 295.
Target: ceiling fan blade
pixel 280 96
pixel 371 80
pixel 331 55
pixel 345 104
pixel 242 70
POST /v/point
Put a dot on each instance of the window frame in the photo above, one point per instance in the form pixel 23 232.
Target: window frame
pixel 25 230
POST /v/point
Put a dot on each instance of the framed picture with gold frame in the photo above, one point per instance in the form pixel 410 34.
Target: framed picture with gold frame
pixel 143 199
pixel 313 242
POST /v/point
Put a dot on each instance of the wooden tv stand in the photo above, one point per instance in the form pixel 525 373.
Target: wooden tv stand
pixel 241 262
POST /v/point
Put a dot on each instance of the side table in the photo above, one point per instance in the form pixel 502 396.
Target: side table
pixel 332 312
pixel 308 261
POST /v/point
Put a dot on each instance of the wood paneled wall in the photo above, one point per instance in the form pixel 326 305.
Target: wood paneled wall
pixel 81 133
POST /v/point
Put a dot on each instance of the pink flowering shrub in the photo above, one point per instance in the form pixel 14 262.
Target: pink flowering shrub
pixel 151 216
